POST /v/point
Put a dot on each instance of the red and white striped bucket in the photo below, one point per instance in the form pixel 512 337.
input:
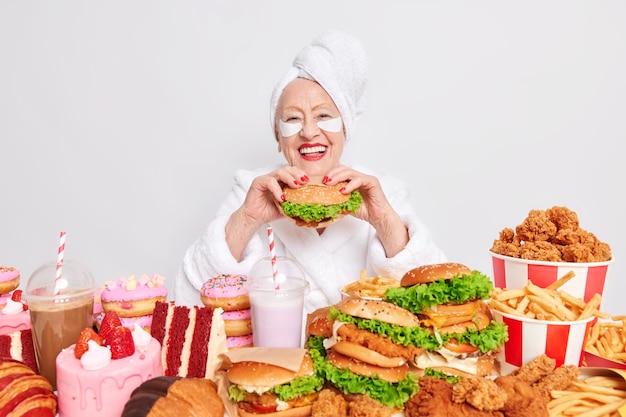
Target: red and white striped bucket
pixel 589 278
pixel 563 341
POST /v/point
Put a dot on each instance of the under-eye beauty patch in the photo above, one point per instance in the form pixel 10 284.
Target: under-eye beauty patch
pixel 289 129
pixel 332 125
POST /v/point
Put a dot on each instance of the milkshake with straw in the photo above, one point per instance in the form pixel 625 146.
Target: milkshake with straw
pixel 276 288
pixel 60 300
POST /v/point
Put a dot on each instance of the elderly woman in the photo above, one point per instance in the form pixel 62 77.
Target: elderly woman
pixel 313 110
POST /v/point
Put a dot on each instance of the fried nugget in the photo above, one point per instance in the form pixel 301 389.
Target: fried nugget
pixel 329 404
pixel 536 227
pixel 541 251
pixel 482 393
pixel 364 406
pixel 563 218
pixel 559 379
pixel 536 369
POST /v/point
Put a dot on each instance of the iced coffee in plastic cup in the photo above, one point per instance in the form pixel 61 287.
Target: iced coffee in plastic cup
pixel 277 303
pixel 58 316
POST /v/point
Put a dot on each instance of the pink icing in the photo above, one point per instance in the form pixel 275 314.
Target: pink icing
pixel 8 273
pixel 224 286
pixel 4 298
pixel 143 321
pixel 10 323
pixel 239 341
pixel 105 391
pixel 237 314
pixel 146 287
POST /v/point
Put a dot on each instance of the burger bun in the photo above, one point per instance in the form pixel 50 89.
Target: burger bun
pixel 434 272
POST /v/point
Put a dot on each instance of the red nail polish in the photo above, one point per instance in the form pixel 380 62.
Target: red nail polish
pixel 342 189
pixel 283 199
pixel 325 180
pixel 296 182
pixel 304 179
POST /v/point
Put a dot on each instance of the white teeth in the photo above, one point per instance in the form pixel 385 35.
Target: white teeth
pixel 313 149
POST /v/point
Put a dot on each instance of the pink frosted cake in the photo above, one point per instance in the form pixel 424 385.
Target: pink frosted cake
pixel 14 316
pixel 96 385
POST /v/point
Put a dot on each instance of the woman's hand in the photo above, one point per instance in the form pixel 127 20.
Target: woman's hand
pixel 375 208
pixel 260 206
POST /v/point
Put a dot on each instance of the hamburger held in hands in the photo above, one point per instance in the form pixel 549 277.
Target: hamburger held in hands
pixel 448 299
pixel 316 204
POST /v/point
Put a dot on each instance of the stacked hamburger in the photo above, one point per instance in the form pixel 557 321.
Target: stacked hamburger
pixel 448 299
pixel 435 320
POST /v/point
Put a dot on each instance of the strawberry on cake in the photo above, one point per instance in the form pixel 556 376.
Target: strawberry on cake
pixel 96 375
pixel 133 299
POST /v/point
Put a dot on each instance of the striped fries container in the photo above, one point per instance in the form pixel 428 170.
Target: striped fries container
pixel 589 278
pixel 529 338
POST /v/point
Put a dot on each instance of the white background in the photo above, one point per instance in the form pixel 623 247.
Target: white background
pixel 122 122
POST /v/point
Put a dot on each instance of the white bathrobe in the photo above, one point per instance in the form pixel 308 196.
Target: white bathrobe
pixel 329 260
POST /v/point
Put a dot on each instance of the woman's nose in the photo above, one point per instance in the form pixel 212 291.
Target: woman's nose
pixel 310 129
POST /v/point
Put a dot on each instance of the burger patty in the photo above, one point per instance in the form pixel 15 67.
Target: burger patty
pixel 380 344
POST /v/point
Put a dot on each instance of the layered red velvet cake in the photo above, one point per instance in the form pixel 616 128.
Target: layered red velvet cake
pixel 101 380
pixel 192 338
pixel 19 346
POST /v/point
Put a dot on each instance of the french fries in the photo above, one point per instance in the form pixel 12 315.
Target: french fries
pixel 373 287
pixel 589 397
pixel 608 339
pixel 550 303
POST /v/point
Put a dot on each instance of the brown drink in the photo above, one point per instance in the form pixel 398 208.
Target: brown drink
pixel 59 313
pixel 56 326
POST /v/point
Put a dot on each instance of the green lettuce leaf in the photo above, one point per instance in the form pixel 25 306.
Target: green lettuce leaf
pixel 458 290
pixel 490 338
pixel 318 212
pixel 302 385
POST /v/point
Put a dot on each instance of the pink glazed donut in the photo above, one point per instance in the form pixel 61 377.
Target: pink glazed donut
pixel 235 342
pixel 9 279
pixel 226 291
pixel 130 297
pixel 237 322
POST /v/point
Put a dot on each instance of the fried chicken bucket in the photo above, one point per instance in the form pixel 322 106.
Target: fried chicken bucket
pixel 587 278
pixel 563 341
pixel 547 246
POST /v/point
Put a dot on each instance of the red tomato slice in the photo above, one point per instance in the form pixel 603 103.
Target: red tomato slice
pixel 261 408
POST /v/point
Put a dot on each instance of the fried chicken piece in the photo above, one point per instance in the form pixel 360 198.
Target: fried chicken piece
pixel 482 393
pixel 563 218
pixel 522 399
pixel 559 379
pixel 540 250
pixel 364 406
pixel 507 244
pixel 382 345
pixel 329 404
pixel 536 227
pixel 536 369
pixel 578 253
pixel 434 399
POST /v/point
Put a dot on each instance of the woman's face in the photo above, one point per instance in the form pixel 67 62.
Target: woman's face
pixel 313 149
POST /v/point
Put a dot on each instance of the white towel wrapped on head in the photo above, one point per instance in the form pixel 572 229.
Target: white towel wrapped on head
pixel 336 61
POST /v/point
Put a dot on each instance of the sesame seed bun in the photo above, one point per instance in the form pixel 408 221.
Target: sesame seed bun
pixel 434 272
